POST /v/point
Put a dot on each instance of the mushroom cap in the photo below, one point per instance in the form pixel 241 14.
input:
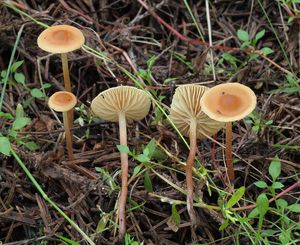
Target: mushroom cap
pixel 185 107
pixel 60 39
pixel 133 102
pixel 62 101
pixel 228 102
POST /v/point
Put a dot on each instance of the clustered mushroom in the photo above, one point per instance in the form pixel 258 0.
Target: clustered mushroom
pixel 197 112
pixel 227 103
pixel 124 105
pixel 191 121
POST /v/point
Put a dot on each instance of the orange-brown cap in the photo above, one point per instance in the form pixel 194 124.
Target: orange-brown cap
pixel 62 101
pixel 60 39
pixel 228 102
pixel 133 102
pixel 186 107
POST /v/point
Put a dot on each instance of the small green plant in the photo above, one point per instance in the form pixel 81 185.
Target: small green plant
pixel 19 121
pixel 84 118
pixel 16 77
pixel 292 86
pixel 258 123
pixel 248 43
pixel 129 240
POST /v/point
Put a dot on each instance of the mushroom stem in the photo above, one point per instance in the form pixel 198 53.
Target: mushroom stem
pixel 230 170
pixel 65 67
pixel 124 176
pixel 68 134
pixel 67 82
pixel 189 170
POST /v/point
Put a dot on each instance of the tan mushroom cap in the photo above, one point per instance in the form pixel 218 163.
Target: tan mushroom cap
pixel 133 102
pixel 186 107
pixel 60 39
pixel 62 101
pixel 228 102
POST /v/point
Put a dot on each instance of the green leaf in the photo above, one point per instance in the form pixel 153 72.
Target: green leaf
pixel 267 50
pixel 5 146
pixel 255 128
pixel 16 65
pixel 3 73
pixel 37 93
pixel 67 240
pixel 142 158
pixel 6 115
pixel 294 208
pixel 47 85
pixel 261 184
pixel 243 35
pixel 123 149
pixel 150 148
pixel 19 111
pixel 137 169
pixel 275 169
pixel 236 197
pixel 175 215
pixel 224 225
pixel 31 145
pixel 260 34
pixel 281 203
pixel 254 213
pixel 262 204
pixel 20 123
pixel 20 78
pixel 277 185
pixel 148 182
pixel 101 226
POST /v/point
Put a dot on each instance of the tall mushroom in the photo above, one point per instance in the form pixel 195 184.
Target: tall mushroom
pixel 188 117
pixel 227 103
pixel 64 101
pixel 122 104
pixel 61 39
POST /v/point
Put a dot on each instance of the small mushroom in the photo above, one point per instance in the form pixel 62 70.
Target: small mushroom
pixel 123 104
pixel 187 115
pixel 61 39
pixel 227 103
pixel 64 101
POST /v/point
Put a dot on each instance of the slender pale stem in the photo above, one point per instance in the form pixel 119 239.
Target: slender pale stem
pixel 124 175
pixel 67 82
pixel 189 170
pixel 65 67
pixel 230 170
pixel 68 135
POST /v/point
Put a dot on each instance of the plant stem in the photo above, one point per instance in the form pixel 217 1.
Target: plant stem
pixel 44 195
pixel 230 170
pixel 65 67
pixel 189 170
pixel 68 135
pixel 67 82
pixel 124 176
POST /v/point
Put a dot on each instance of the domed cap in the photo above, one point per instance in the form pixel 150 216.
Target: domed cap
pixel 60 39
pixel 134 102
pixel 228 102
pixel 62 101
pixel 186 107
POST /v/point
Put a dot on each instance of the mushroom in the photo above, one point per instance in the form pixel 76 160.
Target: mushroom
pixel 123 104
pixel 64 101
pixel 228 103
pixel 187 115
pixel 61 39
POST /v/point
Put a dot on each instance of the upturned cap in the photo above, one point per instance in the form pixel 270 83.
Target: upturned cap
pixel 186 107
pixel 228 102
pixel 62 101
pixel 60 39
pixel 133 102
